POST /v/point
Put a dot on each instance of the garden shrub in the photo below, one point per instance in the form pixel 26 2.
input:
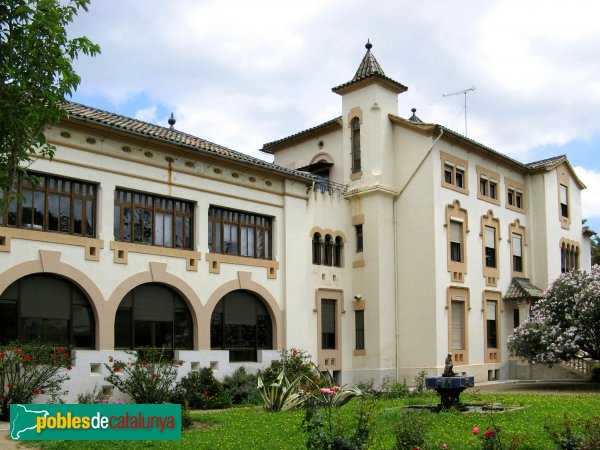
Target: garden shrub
pixel 31 369
pixel 281 394
pixel 297 364
pixel 410 429
pixel 149 378
pixel 241 386
pixel 420 388
pixel 96 395
pixel 202 391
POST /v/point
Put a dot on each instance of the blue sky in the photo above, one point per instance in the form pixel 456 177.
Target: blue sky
pixel 244 73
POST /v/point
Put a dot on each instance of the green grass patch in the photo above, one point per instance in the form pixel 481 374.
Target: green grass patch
pixel 252 428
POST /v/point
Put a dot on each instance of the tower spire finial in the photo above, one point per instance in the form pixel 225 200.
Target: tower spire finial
pixel 368 45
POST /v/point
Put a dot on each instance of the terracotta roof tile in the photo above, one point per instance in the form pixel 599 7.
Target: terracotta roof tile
pixel 548 163
pixel 521 288
pixel 88 114
pixel 333 122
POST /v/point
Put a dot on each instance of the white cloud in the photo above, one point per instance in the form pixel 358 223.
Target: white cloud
pixel 590 197
pixel 147 114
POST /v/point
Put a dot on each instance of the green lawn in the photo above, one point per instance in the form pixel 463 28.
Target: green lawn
pixel 251 428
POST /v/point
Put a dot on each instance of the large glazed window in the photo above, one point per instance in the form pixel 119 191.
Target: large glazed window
pixel 239 233
pixel 152 220
pixel 46 308
pixel 328 314
pixel 153 315
pixel 356 164
pixel 241 324
pixel 57 204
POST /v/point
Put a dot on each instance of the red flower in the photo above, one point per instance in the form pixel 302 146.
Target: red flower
pixel 154 375
pixel 53 355
pixel 117 368
pixel 43 391
pixel 144 363
pixel 475 431
pixel 69 367
pixel 132 364
pixel 110 359
pixel 65 355
pixel 37 392
pixel 489 434
pixel 59 349
pixel 9 385
pixel 2 356
pixel 18 351
pixel 181 363
pixel 27 358
pixel 206 393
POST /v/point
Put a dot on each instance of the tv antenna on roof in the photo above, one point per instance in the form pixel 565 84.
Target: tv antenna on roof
pixel 465 91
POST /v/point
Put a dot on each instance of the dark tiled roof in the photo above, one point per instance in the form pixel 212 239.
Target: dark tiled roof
pixel 88 114
pixel 266 147
pixel 548 163
pixel 370 68
pixel 521 288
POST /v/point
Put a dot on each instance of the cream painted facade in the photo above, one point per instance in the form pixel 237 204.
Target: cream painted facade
pixel 385 310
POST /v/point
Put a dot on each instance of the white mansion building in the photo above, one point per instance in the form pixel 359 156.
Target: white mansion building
pixel 379 244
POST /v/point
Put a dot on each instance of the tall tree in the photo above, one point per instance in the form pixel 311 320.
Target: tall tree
pixel 595 240
pixel 36 71
pixel 564 324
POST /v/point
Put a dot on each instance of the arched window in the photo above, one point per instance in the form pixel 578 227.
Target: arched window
pixel 355 145
pixel 153 315
pixel 337 252
pixel 46 308
pixel 329 243
pixel 318 244
pixel 241 324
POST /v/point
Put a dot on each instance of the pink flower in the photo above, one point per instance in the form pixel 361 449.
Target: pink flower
pixel 489 434
pixel 294 351
pixel 327 391
pixel 444 445
pixel 335 388
pixel 475 431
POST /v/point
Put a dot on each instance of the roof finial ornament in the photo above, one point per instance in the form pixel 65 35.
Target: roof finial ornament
pixel 414 117
pixel 368 45
pixel 171 122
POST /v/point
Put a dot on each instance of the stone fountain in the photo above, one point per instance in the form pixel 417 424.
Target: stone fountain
pixel 450 386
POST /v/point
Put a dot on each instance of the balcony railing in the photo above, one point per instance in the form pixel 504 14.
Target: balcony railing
pixel 329 187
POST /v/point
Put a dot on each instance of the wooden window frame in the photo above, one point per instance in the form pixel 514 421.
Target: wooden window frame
pixel 454 213
pixel 459 294
pixel 488 181
pixel 492 354
pixel 240 219
pixel 491 274
pixel 455 164
pixel 48 186
pixel 168 206
pixel 515 189
pixel 518 229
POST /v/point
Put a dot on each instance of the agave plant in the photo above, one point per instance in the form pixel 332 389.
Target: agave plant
pixel 281 395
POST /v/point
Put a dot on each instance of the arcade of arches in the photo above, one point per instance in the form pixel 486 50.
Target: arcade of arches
pixel 50 308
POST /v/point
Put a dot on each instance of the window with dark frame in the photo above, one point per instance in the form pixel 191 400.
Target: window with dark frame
pixel 356 162
pixel 153 315
pixel 564 201
pixel 490 247
pixel 517 248
pixel 51 203
pixel 456 241
pixel 153 220
pixel 488 187
pixel 516 318
pixel 491 324
pixel 46 308
pixel 359 238
pixel 515 198
pixel 241 324
pixel 359 325
pixel 239 233
pixel 328 322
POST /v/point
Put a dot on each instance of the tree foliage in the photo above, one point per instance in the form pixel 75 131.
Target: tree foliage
pixel 36 57
pixel 564 324
pixel 595 240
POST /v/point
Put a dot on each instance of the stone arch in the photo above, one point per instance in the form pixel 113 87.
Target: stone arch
pixel 157 274
pixel 50 263
pixel 243 282
pixel 322 157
